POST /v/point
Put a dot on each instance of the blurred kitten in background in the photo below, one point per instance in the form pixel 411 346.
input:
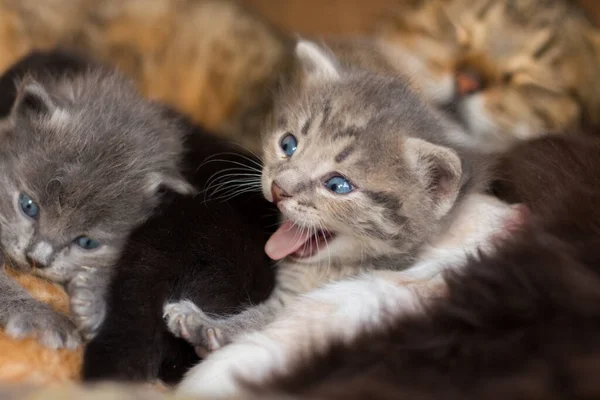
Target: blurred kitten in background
pixel 507 69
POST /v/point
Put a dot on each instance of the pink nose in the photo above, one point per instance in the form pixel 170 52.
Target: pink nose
pixel 278 193
pixel 468 82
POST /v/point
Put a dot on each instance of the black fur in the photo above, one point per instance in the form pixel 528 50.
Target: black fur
pixel 211 253
pixel 523 324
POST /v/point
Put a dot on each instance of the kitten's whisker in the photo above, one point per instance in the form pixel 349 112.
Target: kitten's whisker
pixel 240 164
pixel 231 184
pixel 259 158
pixel 218 186
pixel 226 189
pixel 226 199
pixel 254 161
pixel 225 173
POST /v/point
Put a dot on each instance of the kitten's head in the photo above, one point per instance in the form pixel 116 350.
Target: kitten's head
pixel 508 69
pixel 82 162
pixel 359 161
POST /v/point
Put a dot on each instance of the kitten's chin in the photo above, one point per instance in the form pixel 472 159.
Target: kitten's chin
pixel 317 243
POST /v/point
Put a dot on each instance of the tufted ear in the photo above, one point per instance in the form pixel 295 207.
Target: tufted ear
pixel 439 168
pixel 32 100
pixel 316 63
pixel 170 181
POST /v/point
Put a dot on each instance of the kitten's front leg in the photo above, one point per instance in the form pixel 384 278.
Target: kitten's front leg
pixel 87 292
pixel 185 320
pixel 21 315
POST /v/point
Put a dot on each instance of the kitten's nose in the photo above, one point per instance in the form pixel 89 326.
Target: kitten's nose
pixel 278 193
pixel 468 81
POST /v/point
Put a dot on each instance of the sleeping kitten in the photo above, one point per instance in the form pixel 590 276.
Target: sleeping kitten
pixel 342 310
pixel 507 69
pixel 83 159
pixel 365 176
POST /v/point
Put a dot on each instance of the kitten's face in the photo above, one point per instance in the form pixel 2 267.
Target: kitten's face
pixel 347 162
pixel 511 69
pixel 81 162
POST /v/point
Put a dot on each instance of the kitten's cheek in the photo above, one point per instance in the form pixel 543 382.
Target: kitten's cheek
pixel 266 188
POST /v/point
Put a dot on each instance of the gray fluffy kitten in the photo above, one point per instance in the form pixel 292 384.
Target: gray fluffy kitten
pixel 82 160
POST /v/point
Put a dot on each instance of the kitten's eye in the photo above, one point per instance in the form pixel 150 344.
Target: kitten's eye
pixel 28 206
pixel 288 144
pixel 339 185
pixel 87 243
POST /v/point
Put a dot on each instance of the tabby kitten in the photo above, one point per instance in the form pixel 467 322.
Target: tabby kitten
pixel 364 173
pixel 83 160
pixel 507 69
pixel 523 322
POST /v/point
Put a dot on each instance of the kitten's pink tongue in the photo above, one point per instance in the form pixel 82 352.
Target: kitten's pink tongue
pixel 287 239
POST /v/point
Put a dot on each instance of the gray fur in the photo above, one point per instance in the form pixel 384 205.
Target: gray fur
pixel 93 155
pixel 410 167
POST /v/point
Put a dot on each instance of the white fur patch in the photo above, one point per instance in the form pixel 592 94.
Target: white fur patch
pixel 41 253
pixel 60 118
pixel 337 311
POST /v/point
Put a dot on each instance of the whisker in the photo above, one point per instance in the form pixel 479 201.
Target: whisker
pixel 254 161
pixel 241 164
pixel 226 191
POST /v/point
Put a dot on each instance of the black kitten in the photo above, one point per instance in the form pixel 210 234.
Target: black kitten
pixel 210 252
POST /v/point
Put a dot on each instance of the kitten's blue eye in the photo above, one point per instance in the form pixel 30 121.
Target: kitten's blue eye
pixel 28 206
pixel 339 185
pixel 288 144
pixel 87 243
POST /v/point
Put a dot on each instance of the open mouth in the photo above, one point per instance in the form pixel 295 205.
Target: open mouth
pixel 293 240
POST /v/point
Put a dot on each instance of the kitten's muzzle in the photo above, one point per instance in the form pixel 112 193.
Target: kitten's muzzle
pixel 278 193
pixel 33 263
pixel 39 255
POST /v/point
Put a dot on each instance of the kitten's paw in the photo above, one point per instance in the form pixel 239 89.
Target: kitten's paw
pixel 50 328
pixel 87 301
pixel 188 322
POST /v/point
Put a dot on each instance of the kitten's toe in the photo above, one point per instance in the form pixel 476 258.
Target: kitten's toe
pixel 177 315
pixel 50 328
pixel 185 320
pixel 214 338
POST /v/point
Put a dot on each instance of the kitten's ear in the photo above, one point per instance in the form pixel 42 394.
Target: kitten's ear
pixel 439 168
pixel 33 100
pixel 316 62
pixel 174 182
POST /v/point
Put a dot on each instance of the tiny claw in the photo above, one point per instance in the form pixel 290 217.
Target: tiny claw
pixel 213 341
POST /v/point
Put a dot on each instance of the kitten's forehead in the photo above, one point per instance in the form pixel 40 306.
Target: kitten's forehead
pixel 364 112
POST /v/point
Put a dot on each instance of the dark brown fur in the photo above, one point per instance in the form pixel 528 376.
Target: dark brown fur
pixel 522 324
